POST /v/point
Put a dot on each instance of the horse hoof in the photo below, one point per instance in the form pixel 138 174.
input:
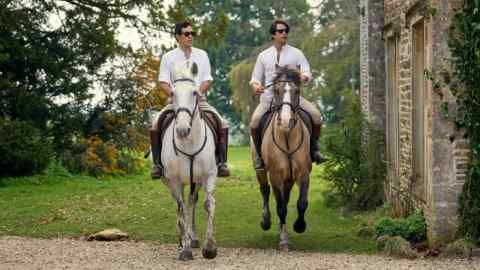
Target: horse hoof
pixel 283 247
pixel 299 226
pixel 265 225
pixel 209 253
pixel 195 244
pixel 186 255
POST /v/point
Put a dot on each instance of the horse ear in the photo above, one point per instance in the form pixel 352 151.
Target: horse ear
pixel 194 69
pixel 298 67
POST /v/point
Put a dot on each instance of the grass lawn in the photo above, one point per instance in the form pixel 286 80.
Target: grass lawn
pixel 71 206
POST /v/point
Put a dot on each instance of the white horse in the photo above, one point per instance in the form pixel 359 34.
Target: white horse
pixel 188 157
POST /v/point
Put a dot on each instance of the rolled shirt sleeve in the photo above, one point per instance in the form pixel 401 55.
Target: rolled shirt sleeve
pixel 258 71
pixel 206 69
pixel 164 74
pixel 304 66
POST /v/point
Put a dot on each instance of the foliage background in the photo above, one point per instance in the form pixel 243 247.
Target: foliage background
pixel 465 47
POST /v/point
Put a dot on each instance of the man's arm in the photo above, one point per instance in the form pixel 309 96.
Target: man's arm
pixel 164 75
pixel 306 74
pixel 257 74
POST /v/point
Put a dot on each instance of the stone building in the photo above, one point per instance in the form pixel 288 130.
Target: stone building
pixel 404 51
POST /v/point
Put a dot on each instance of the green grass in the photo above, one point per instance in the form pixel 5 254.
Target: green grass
pixel 60 206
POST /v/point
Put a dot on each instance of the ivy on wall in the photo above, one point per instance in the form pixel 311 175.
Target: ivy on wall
pixel 465 47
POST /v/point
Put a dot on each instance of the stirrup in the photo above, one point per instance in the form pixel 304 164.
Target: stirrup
pixel 157 172
pixel 259 164
pixel 222 170
pixel 318 158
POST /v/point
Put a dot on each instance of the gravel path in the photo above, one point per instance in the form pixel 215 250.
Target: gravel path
pixel 27 253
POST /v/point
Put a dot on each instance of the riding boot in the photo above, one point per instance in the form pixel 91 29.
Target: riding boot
pixel 314 150
pixel 157 170
pixel 256 136
pixel 222 146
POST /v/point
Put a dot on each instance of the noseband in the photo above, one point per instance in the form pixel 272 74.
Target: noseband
pixel 185 109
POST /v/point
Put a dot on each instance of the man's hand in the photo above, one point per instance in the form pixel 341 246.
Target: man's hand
pixel 166 88
pixel 202 90
pixel 304 78
pixel 258 88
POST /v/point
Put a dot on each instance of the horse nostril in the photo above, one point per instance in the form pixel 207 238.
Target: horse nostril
pixel 188 131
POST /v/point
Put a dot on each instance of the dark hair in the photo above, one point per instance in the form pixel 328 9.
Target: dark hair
pixel 179 26
pixel 273 27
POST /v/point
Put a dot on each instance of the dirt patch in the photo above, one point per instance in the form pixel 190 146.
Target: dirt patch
pixel 27 253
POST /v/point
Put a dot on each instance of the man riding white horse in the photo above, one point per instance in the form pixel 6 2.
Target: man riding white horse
pixel 281 54
pixel 185 51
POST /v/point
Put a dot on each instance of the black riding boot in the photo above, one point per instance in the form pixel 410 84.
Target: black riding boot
pixel 157 170
pixel 256 137
pixel 222 149
pixel 314 150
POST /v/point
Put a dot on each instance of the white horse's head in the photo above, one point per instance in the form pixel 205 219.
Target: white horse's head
pixel 185 97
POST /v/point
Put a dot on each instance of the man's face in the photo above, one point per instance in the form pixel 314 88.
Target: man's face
pixel 281 34
pixel 185 39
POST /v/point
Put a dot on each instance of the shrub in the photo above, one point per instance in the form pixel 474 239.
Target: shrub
pixel 24 150
pixel 355 165
pixel 459 248
pixel 95 157
pixel 396 246
pixel 413 228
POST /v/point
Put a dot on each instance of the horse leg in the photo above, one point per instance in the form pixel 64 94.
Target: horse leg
pixel 299 226
pixel 209 250
pixel 182 224
pixel 265 190
pixel 193 233
pixel 282 196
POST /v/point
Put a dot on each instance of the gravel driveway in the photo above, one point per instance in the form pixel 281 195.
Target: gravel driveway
pixel 27 253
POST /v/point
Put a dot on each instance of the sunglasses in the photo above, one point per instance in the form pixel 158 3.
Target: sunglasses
pixel 187 34
pixel 281 31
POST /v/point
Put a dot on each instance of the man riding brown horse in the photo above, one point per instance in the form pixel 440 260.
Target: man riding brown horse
pixel 281 54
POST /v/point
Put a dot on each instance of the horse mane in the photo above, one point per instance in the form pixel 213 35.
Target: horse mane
pixel 287 73
pixel 187 70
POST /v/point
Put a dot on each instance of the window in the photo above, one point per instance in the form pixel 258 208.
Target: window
pixel 418 102
pixel 392 98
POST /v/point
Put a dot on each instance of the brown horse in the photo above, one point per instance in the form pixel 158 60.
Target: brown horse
pixel 285 151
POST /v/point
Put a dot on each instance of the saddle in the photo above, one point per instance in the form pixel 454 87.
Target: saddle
pixel 210 118
pixel 267 118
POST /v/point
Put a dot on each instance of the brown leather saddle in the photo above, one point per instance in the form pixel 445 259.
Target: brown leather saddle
pixel 210 118
pixel 267 118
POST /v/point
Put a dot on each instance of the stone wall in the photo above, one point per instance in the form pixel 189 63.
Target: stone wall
pixel 445 151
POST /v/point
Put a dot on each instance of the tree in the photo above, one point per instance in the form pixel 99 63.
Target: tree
pixel 54 54
pixel 230 31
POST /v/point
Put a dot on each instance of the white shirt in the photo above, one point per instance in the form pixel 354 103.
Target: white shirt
pixel 264 70
pixel 176 55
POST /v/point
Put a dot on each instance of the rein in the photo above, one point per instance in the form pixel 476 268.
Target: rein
pixel 191 157
pixel 287 152
pixel 185 109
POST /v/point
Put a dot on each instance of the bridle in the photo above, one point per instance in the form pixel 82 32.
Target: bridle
pixel 276 108
pixel 185 109
pixel 177 150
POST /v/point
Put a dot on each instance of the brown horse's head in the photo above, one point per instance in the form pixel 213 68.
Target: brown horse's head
pixel 287 92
